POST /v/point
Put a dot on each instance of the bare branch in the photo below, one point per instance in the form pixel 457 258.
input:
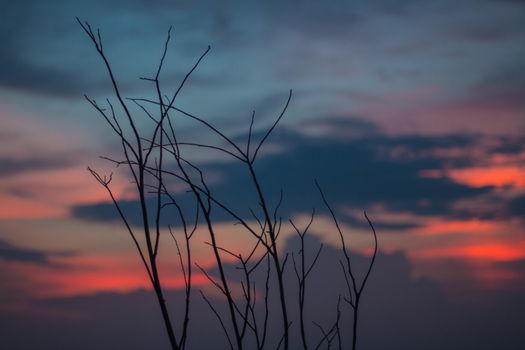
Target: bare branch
pixel 218 318
pixel 272 127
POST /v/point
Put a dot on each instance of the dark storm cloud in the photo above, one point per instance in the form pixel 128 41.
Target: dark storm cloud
pixel 356 172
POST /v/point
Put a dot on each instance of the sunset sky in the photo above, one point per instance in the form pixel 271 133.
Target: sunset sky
pixel 411 110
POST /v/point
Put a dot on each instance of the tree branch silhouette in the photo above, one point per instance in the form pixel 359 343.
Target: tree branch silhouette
pixel 155 158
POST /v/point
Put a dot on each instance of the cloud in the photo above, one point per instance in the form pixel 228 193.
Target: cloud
pixel 16 73
pixel 11 252
pixel 48 54
pixel 398 311
pixel 19 65
pixel 340 127
pixel 11 166
pixel 516 207
pixel 354 172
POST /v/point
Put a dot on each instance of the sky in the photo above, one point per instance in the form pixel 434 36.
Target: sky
pixel 411 110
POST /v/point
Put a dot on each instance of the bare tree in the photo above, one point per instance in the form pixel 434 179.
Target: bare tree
pixel 156 159
pixel 354 288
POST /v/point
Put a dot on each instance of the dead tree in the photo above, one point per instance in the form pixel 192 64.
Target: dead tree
pixel 154 158
pixel 354 288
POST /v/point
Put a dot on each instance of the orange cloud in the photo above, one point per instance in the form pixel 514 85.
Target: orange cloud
pixel 513 176
pixel 477 252
pixel 456 226
pixel 122 281
pixel 497 252
pixel 15 208
pixel 101 258
pixel 497 176
pixel 89 275
pixel 50 193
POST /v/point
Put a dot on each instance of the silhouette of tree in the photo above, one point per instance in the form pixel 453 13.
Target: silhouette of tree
pixel 155 160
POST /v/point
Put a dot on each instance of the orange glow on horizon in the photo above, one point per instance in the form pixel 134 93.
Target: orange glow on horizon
pixel 74 258
pixel 499 252
pixel 479 265
pixel 481 252
pixel 49 281
pixel 98 281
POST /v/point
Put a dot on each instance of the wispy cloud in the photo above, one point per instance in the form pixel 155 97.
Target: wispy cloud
pixel 10 167
pixel 10 252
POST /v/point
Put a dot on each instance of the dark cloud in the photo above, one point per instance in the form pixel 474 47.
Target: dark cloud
pixel 17 73
pixel 44 50
pixel 510 146
pixel 19 68
pixel 517 265
pixel 352 172
pixel 378 224
pixel 10 166
pixel 11 252
pixel 516 207
pixel 356 173
pixel 41 48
